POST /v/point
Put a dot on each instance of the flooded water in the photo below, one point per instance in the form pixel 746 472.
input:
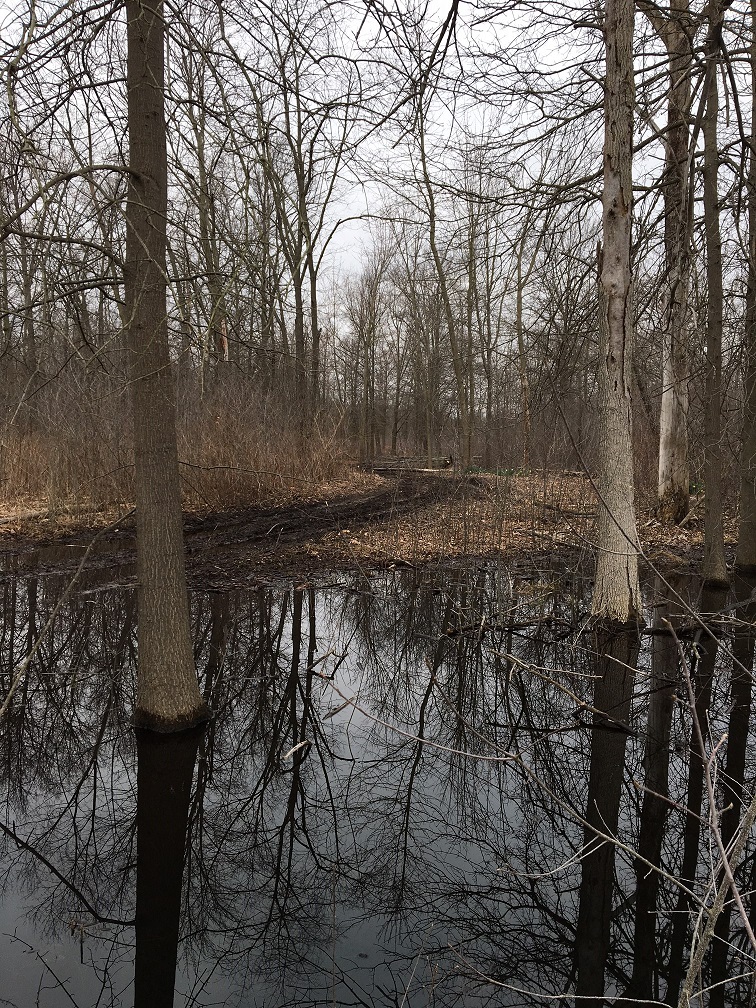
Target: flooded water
pixel 415 791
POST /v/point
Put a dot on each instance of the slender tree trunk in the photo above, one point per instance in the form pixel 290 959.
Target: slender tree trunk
pixel 745 557
pixel 458 359
pixel 168 694
pixel 674 468
pixel 714 567
pixel 523 364
pixel 616 594
pixel 315 363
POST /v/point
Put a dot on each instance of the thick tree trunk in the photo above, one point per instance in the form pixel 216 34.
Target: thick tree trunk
pixel 168 694
pixel 616 594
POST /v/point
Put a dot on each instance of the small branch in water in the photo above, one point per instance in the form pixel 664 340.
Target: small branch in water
pixel 69 885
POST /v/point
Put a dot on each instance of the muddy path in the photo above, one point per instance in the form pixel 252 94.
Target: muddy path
pixel 418 520
pixel 242 545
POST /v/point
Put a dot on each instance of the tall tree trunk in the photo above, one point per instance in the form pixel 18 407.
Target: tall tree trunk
pixel 714 567
pixel 315 363
pixel 674 468
pixel 522 361
pixel 168 693
pixel 745 556
pixel 616 594
pixel 459 361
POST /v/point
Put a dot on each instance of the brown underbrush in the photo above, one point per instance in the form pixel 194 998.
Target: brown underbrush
pixel 74 455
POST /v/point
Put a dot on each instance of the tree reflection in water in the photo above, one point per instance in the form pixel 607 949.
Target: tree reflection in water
pixel 407 796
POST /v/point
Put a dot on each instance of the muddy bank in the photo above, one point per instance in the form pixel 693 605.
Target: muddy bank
pixel 394 520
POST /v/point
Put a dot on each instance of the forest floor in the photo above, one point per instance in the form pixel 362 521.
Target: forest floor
pixel 370 522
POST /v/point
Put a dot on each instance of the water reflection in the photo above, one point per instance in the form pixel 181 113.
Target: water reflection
pixel 414 792
pixel 164 785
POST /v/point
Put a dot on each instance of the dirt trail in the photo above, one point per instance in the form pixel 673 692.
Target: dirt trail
pixel 283 539
pixel 401 519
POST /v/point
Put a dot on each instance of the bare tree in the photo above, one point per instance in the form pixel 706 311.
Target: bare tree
pixel 714 567
pixel 674 29
pixel 169 698
pixel 616 595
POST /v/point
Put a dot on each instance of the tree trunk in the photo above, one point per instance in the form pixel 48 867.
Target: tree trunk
pixel 745 557
pixel 714 567
pixel 168 694
pixel 523 364
pixel 616 594
pixel 674 468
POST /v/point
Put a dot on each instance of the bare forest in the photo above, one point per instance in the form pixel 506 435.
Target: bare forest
pixel 383 239
pixel 377 503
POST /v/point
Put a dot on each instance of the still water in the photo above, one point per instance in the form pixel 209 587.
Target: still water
pixel 440 790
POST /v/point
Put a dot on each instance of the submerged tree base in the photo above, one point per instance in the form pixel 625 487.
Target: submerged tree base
pixel 143 719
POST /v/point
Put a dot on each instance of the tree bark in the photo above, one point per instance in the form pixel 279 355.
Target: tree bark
pixel 745 557
pixel 168 693
pixel 616 594
pixel 714 567
pixel 674 467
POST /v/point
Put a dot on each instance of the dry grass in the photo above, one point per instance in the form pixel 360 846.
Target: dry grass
pixel 74 455
pixel 487 515
pixel 247 452
pixel 69 463
pixel 517 516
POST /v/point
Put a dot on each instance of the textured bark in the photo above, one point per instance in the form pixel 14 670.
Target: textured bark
pixel 674 467
pixel 168 694
pixel 745 557
pixel 616 594
pixel 714 570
